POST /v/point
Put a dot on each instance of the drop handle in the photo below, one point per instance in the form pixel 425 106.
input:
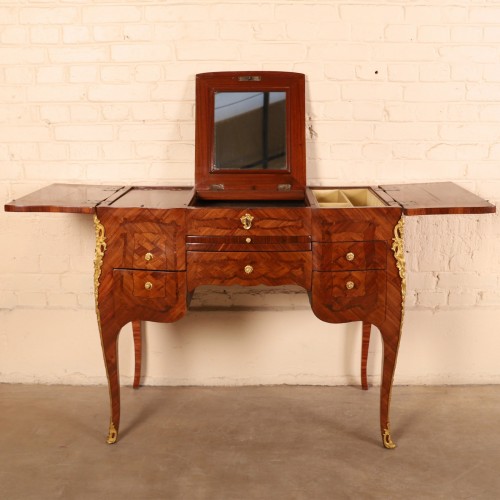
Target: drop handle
pixel 248 269
pixel 148 285
pixel 349 285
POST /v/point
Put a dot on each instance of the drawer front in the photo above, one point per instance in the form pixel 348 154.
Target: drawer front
pixel 249 243
pixel 249 222
pixel 150 295
pixel 249 268
pixel 349 296
pixel 349 255
pixel 354 224
pixel 152 251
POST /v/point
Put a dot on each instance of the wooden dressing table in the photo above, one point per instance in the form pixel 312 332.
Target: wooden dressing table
pixel 250 220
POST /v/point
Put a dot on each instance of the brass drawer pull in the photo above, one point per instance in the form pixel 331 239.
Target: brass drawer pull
pixel 350 256
pixel 148 256
pixel 249 240
pixel 349 285
pixel 246 220
pixel 248 269
pixel 148 285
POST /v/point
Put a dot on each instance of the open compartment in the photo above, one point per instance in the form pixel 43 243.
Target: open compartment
pixel 347 197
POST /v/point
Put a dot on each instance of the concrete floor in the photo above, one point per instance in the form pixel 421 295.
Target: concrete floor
pixel 279 442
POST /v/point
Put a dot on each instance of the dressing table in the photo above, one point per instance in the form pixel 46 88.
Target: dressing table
pixel 250 220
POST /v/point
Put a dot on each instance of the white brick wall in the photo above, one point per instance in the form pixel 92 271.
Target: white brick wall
pixel 104 92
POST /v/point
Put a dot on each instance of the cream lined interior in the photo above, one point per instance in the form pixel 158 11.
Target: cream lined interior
pixel 344 198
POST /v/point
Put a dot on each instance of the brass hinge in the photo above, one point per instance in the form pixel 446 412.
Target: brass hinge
pixel 284 187
pixel 216 187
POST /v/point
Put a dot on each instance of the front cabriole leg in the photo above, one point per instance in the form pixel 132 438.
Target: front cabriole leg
pixel 391 329
pixel 109 336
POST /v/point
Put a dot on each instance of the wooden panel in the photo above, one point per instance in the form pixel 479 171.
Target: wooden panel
pixel 249 244
pixel 132 233
pixel 156 198
pixel 349 255
pixel 437 198
pixel 266 268
pixel 354 224
pixel 69 198
pixel 165 301
pixel 266 222
pixel 333 301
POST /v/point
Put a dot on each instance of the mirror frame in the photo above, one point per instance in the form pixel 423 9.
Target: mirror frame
pixel 287 183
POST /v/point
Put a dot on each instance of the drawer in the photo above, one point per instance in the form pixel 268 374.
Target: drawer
pixel 249 268
pixel 249 222
pixel 249 243
pixel 349 296
pixel 349 255
pixel 152 251
pixel 354 224
pixel 149 295
pixel 146 284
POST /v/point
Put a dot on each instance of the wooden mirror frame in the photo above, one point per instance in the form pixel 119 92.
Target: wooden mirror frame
pixel 260 184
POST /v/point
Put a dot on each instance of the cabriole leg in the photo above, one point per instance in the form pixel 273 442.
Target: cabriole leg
pixel 365 344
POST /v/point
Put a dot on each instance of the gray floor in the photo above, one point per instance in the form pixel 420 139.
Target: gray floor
pixel 278 442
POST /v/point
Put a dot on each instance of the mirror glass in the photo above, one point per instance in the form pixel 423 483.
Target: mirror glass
pixel 250 131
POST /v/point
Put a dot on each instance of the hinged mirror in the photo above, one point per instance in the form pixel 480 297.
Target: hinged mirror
pixel 250 135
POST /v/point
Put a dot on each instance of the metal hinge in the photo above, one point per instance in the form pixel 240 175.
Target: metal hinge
pixel 216 187
pixel 284 187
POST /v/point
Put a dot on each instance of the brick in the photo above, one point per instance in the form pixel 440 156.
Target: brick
pixel 311 13
pixel 19 74
pixel 78 54
pixel 83 132
pixel 116 112
pixel 76 34
pixel 31 299
pixel 121 93
pixel 340 71
pixel 404 52
pixel 83 74
pixel 27 133
pixel 177 12
pixel 339 52
pixel 433 34
pixel 83 151
pixel 442 152
pixel 467 34
pixel 405 131
pixel 470 132
pixel 473 53
pixel 24 151
pixel 491 33
pixel 491 73
pixel 166 132
pixel 490 112
pixel 117 151
pixel 402 72
pixel 432 112
pixel 45 34
pixel 408 151
pixel 431 299
pixel 116 74
pixel 62 300
pixel 110 14
pixel 484 15
pixel 455 281
pixel 466 72
pixel 55 93
pixel 8 300
pixel 143 52
pixel 54 113
pixel 434 92
pixel 108 33
pixel 460 112
pixel 343 131
pixel 434 72
pixel 9 15
pixel 373 92
pixel 138 32
pixel 52 151
pixel 146 111
pixel 462 299
pixel 21 55
pixel 84 113
pixel 371 13
pixel 235 12
pixel 50 74
pixel 372 111
pixel 13 35
pixel 44 16
pixel 400 33
pixel 54 264
pixel 377 151
pixel 147 73
pixel 371 72
pixel 367 32
pixel 337 110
